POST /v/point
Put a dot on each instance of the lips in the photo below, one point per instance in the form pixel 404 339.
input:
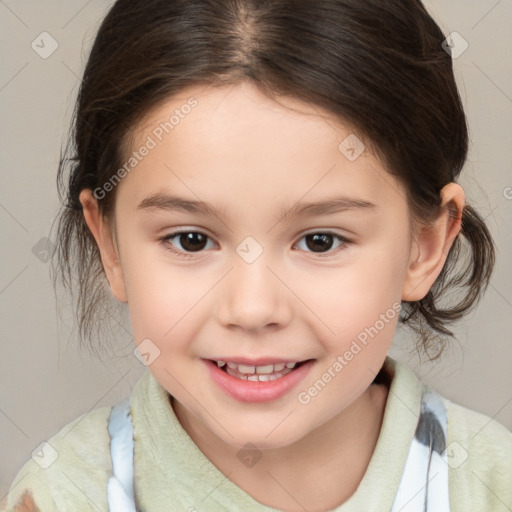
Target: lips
pixel 257 386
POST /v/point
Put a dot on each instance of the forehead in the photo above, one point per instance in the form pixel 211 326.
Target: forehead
pixel 234 143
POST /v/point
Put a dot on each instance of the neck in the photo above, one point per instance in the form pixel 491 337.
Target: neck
pixel 318 472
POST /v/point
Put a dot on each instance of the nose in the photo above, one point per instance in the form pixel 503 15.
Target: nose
pixel 253 297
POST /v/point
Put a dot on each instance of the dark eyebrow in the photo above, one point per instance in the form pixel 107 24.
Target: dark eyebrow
pixel 172 203
pixel 326 207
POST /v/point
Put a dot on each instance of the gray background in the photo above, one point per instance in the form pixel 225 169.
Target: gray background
pixel 46 382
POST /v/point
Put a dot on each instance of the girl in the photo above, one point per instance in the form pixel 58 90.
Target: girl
pixel 310 150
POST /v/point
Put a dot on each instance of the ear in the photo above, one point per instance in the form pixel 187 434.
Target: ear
pixel 430 247
pixel 103 235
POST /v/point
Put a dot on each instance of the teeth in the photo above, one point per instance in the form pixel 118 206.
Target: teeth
pixel 257 377
pixel 265 373
pixel 269 368
pixel 246 369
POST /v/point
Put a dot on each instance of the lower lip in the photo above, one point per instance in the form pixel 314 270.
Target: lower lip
pixel 251 391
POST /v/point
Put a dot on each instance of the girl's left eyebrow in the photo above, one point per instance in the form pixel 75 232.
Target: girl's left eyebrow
pixel 161 201
pixel 327 207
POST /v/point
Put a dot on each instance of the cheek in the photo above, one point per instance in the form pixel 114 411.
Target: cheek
pixel 161 297
pixel 356 293
pixel 357 308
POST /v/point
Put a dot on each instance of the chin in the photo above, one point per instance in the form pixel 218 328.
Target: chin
pixel 263 439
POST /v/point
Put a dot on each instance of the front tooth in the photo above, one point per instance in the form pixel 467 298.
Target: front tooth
pixel 290 365
pixel 245 369
pixel 233 366
pixel 237 375
pixel 279 367
pixel 220 364
pixel 265 369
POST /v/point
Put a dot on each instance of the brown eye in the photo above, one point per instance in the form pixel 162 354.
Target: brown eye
pixel 323 243
pixel 319 242
pixel 192 241
pixel 185 242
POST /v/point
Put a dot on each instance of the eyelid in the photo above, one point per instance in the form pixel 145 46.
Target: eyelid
pixel 345 241
pixel 165 241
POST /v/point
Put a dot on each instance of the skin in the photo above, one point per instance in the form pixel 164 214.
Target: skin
pixel 290 303
pixel 26 503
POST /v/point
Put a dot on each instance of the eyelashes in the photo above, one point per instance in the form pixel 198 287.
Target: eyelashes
pixel 195 242
pixel 188 240
pixel 321 236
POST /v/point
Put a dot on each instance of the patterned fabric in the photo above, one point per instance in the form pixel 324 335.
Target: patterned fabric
pixel 120 485
pixel 424 483
pixel 423 487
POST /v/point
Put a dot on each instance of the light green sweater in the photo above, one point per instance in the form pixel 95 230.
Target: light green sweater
pixel 172 474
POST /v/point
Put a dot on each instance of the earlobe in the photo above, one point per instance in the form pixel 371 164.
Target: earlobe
pixel 104 237
pixel 432 244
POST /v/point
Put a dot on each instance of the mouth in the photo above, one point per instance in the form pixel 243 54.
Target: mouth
pixel 262 381
pixel 258 373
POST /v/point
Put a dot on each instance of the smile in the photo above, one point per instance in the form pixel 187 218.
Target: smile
pixel 257 373
pixel 261 382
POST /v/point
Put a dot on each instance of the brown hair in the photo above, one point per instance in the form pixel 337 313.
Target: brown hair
pixel 378 65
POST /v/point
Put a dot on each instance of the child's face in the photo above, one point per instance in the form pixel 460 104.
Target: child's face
pixel 303 298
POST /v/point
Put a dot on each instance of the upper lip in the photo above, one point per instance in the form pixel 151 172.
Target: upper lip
pixel 262 361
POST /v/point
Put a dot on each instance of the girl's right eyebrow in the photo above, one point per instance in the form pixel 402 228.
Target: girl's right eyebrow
pixel 160 201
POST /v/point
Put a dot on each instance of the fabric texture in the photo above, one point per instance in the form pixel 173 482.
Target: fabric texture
pixel 423 487
pixel 424 483
pixel 120 492
pixel 171 473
